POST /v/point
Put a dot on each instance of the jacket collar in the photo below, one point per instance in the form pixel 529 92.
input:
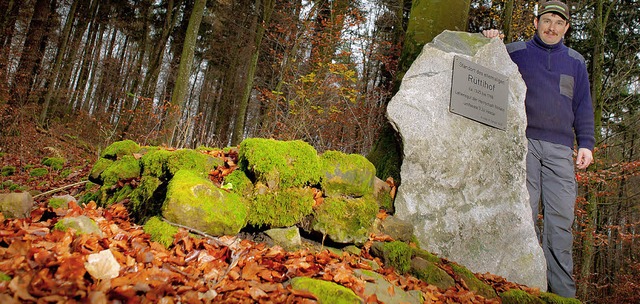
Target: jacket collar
pixel 537 41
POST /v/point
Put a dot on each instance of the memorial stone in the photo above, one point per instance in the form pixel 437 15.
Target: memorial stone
pixel 463 180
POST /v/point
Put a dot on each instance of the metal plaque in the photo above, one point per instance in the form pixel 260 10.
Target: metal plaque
pixel 479 93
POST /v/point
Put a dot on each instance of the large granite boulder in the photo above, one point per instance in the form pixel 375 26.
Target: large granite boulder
pixel 463 182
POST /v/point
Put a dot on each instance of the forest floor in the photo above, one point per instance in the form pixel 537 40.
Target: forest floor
pixel 48 265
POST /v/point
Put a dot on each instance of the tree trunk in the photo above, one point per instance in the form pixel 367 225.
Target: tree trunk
pixel 263 22
pixel 62 49
pixel 597 75
pixel 184 71
pixel 31 54
pixel 506 21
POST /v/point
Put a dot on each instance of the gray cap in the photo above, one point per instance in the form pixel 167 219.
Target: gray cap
pixel 554 7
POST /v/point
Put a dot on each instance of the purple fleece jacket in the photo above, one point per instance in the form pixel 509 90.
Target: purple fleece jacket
pixel 558 101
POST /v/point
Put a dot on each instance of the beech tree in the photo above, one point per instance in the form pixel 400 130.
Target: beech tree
pixel 178 99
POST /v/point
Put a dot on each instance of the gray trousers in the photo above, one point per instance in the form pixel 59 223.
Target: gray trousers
pixel 552 190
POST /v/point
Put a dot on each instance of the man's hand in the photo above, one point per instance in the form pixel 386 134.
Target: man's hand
pixel 584 159
pixel 492 33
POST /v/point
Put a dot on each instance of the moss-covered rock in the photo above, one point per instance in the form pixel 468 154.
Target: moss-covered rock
pixel 125 168
pixel 154 163
pixel 280 164
pixel 112 195
pixel 239 183
pixel 61 201
pixel 80 224
pixel 346 220
pixel 287 238
pixel 326 292
pixel 474 283
pixel 38 172
pixel 55 163
pixel 160 231
pixel 346 174
pixel 97 169
pixel 385 292
pixel 382 193
pixel 16 205
pixel 281 208
pixel 426 255
pixel 164 163
pixel 187 159
pixel 7 171
pixel 147 198
pixel 395 254
pixel 430 273
pixel 120 148
pixel 196 202
pixel 516 296
pixel 551 298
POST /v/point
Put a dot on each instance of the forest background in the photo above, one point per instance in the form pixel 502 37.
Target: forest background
pixel 186 73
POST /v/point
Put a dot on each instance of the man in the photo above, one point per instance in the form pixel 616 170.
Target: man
pixel 559 111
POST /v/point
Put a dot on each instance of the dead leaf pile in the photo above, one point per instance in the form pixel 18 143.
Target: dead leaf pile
pixel 46 265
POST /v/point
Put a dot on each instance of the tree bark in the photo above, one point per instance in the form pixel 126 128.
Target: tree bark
pixel 184 71
pixel 62 49
pixel 31 54
pixel 263 22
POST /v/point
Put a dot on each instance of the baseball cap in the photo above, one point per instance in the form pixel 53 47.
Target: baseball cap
pixel 554 7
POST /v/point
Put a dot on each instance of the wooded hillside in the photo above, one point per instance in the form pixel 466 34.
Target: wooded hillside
pixel 186 73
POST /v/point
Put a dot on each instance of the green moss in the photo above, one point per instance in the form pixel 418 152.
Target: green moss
pixel 89 196
pixel 386 155
pixel 516 296
pixel 55 163
pixel 206 149
pixel 428 256
pixel 347 174
pixel 4 277
pixel 81 225
pixel 346 219
pixel 154 163
pixel 160 231
pixel 196 202
pixel 144 200
pixel 96 171
pixel 239 182
pixel 397 254
pixel 38 172
pixel 326 292
pixel 430 273
pixel 280 164
pixel 191 160
pixel 57 202
pixel 109 197
pixel 281 208
pixel 474 283
pixel 12 186
pixel 127 167
pixel 7 170
pixel 551 298
pixel 119 149
pixel 385 201
pixel 65 173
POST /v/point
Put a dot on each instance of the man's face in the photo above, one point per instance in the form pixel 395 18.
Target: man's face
pixel 551 28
